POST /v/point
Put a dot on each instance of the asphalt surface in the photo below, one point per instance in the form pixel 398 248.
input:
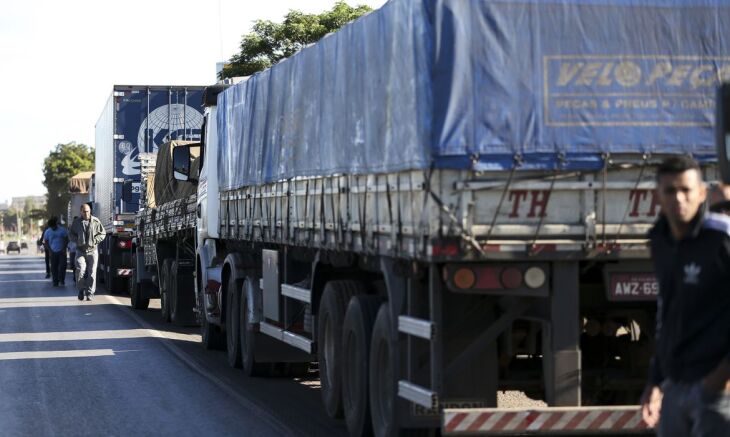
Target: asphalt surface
pixel 100 368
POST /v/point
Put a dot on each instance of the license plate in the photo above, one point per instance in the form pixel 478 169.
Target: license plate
pixel 632 286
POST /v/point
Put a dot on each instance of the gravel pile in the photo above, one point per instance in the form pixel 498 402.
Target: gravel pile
pixel 517 399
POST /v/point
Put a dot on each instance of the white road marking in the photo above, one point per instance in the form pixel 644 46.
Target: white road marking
pixel 35 355
pixel 223 386
pixel 112 334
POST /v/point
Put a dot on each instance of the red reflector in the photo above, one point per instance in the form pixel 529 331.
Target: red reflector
pixel 445 250
pixel 537 248
pixel 125 244
pixel 608 247
pixel 488 278
pixel 464 278
pixel 511 277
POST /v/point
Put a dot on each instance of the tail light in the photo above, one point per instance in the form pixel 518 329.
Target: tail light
pixel 125 244
pixel 511 277
pixel 535 277
pixel 475 277
pixel 464 278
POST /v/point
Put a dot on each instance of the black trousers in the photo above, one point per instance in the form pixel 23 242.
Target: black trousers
pixel 47 254
pixel 58 267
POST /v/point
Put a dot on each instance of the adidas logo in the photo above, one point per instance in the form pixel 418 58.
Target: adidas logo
pixel 692 273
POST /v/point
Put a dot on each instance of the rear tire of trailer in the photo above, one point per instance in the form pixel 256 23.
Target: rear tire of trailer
pixel 181 295
pixel 356 336
pixel 137 298
pixel 165 284
pixel 382 372
pixel 332 308
pixel 233 329
pixel 247 335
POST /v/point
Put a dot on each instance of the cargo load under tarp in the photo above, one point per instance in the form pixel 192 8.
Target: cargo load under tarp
pixel 166 188
pixel 482 85
pixel 80 183
pixel 149 198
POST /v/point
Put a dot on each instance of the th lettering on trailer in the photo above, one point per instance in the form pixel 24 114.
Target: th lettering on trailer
pixel 638 199
pixel 538 202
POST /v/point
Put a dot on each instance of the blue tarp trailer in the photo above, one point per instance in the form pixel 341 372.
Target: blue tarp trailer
pixel 481 85
pixel 481 172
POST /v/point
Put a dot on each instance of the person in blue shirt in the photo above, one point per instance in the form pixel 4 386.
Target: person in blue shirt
pixel 56 239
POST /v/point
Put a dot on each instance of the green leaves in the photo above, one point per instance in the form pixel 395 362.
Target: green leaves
pixel 60 165
pixel 271 42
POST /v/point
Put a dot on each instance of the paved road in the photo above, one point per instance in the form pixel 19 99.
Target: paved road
pixel 100 368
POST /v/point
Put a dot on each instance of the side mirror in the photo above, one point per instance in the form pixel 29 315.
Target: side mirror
pixel 127 191
pixel 722 127
pixel 181 163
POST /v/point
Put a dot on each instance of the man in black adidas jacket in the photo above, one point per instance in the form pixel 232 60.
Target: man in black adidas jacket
pixel 689 380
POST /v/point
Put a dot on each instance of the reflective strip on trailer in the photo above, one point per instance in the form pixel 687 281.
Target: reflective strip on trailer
pixel 563 420
pixel 124 272
pixel 537 248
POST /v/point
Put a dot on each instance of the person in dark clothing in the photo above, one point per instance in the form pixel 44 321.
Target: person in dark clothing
pixel 56 239
pixel 46 252
pixel 688 392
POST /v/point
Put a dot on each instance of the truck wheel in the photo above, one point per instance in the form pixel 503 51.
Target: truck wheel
pixel 247 335
pixel 332 307
pixel 139 301
pixel 165 290
pixel 211 335
pixel 356 334
pixel 181 295
pixel 233 330
pixel 382 372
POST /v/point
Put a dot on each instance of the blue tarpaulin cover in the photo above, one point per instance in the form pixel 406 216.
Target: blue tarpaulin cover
pixel 477 83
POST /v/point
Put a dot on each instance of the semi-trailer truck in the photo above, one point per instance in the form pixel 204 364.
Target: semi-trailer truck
pixel 446 199
pixel 135 119
pixel 165 237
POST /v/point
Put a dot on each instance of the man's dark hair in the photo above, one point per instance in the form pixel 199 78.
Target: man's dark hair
pixel 677 164
pixel 52 222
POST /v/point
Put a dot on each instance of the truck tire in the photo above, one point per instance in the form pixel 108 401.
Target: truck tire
pixel 165 283
pixel 383 376
pixel 211 335
pixel 233 329
pixel 182 295
pixel 356 335
pixel 332 308
pixel 247 335
pixel 138 299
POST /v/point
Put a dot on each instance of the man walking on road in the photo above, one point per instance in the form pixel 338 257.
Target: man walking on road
pixel 56 240
pixel 46 251
pixel 87 232
pixel 688 393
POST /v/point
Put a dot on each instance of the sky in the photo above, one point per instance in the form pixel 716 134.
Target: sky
pixel 60 59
